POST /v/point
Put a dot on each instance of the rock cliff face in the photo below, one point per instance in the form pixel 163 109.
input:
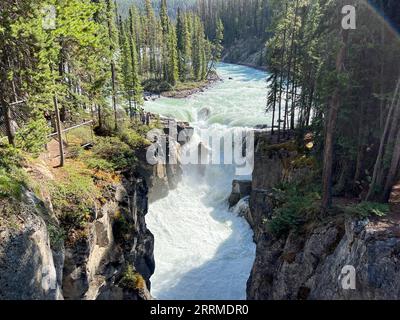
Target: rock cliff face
pixel 118 237
pixel 162 178
pixel 91 267
pixel 28 269
pixel 246 52
pixel 309 264
pixel 113 260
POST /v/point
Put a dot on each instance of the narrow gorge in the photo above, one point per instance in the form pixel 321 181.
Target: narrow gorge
pixel 199 243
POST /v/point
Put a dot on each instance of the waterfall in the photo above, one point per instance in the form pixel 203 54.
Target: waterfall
pixel 203 250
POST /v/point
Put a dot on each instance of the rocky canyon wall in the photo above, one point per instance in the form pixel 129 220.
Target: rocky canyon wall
pixel 313 263
pixel 113 260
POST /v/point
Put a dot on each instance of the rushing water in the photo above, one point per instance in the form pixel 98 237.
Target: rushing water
pixel 203 250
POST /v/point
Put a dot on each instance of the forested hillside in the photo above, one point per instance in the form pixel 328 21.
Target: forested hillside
pixel 250 23
pixel 73 74
pixel 94 53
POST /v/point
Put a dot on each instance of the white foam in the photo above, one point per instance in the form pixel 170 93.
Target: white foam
pixel 202 250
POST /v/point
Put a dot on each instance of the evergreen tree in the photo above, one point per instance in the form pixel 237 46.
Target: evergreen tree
pixel 173 71
pixel 180 34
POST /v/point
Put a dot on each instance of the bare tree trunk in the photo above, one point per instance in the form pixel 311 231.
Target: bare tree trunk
pixel 7 120
pixel 6 109
pixel 130 107
pixel 59 130
pixel 293 47
pixel 100 116
pixel 382 102
pixel 379 158
pixel 281 79
pixel 333 111
pixel 393 171
pixel 273 109
pixel 114 94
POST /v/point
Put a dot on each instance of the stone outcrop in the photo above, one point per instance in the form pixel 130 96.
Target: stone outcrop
pixel 314 263
pixel 89 268
pixel 240 189
pixel 118 237
pixel 28 269
pixel 163 177
pixel 394 200
pixel 248 52
pixel 310 266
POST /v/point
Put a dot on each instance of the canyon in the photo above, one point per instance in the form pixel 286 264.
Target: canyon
pixel 200 236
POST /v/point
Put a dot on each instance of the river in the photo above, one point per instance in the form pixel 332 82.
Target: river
pixel 203 250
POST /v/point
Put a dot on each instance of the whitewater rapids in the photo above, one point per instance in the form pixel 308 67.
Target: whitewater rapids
pixel 203 250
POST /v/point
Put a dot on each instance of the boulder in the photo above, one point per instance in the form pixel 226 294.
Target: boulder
pixel 240 189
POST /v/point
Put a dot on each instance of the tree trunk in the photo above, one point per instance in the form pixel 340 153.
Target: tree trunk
pixel 281 79
pixel 100 117
pixel 7 120
pixel 333 111
pixel 59 130
pixel 379 158
pixel 273 108
pixel 114 94
pixel 130 107
pixel 393 171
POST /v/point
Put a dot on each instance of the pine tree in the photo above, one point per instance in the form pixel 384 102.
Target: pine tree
pixel 219 38
pixel 166 46
pixel 151 38
pixel 136 82
pixel 217 47
pixel 180 34
pixel 187 52
pixel 113 41
pixel 173 71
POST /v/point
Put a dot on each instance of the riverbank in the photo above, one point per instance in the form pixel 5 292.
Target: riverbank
pixel 184 90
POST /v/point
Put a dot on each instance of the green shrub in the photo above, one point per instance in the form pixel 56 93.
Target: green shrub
pixel 123 230
pixel 367 209
pixel 132 280
pixel 11 175
pixel 79 136
pixel 99 164
pixel 11 183
pixel 10 157
pixel 152 85
pixel 75 151
pixel 133 139
pixel 293 208
pixel 56 235
pixel 116 152
pixel 74 198
pixel 33 136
